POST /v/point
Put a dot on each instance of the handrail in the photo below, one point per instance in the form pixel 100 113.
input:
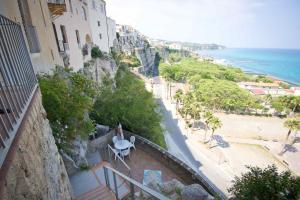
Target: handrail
pixel 111 149
pixel 139 185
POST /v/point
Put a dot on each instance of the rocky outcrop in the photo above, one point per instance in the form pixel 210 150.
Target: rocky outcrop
pixel 195 192
pixel 175 190
pixel 37 170
pixel 98 69
pixel 147 58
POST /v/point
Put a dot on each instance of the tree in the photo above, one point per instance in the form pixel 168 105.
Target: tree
pixel 266 184
pixel 178 98
pixel 215 123
pixel 207 117
pixel 67 99
pixel 195 111
pixel 293 124
pixel 130 104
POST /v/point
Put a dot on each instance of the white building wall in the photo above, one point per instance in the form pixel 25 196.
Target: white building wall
pixel 111 29
pixel 48 57
pixel 74 20
pixel 98 24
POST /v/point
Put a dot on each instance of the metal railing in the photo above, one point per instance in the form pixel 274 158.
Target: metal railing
pixel 111 155
pixel 17 82
pixel 56 1
pixel 133 185
pixel 32 38
pixel 205 182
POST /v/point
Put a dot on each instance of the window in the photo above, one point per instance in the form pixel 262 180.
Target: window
pixel 64 34
pixel 84 14
pixel 94 5
pixel 71 7
pixel 99 24
pixel 77 37
pixel 102 8
pixel 100 35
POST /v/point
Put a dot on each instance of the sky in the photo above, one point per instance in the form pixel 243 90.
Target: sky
pixel 233 23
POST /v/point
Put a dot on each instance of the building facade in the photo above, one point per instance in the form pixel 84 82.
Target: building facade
pixel 35 20
pixel 99 24
pixel 111 31
pixel 73 34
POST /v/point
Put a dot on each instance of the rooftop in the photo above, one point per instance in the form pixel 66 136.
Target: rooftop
pixel 259 84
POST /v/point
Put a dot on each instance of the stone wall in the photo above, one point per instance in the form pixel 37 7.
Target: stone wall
pixel 37 170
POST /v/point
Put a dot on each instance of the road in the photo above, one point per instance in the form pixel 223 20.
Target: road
pixel 179 145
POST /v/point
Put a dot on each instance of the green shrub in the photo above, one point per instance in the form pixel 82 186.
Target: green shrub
pixel 96 53
pixel 266 184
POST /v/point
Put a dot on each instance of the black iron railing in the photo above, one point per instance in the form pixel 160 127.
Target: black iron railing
pixel 57 1
pixel 17 82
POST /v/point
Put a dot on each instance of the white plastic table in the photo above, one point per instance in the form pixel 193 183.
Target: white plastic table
pixel 122 144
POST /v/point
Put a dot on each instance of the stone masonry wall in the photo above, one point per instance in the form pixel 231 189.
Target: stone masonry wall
pixel 37 171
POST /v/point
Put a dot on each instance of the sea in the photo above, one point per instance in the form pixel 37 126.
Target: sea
pixel 283 64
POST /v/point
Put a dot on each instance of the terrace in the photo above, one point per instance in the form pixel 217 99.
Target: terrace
pixel 124 178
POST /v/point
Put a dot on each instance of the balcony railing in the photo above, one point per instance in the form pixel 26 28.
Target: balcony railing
pixel 133 185
pixel 32 38
pixel 57 7
pixel 18 82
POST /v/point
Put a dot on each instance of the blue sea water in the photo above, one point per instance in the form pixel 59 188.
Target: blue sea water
pixel 281 63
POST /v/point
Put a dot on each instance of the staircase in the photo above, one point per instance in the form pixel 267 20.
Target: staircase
pixel 100 193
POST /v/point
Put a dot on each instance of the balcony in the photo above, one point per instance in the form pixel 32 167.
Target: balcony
pixel 57 7
pixel 18 83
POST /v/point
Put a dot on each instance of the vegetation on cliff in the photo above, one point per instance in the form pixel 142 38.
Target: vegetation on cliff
pixel 191 69
pixel 214 86
pixel 67 98
pixel 130 104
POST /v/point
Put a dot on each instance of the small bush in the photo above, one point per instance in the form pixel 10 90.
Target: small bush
pixel 84 167
pixel 96 53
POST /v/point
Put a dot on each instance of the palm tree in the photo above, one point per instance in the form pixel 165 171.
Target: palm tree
pixel 268 99
pixel 293 124
pixel 178 98
pixel 196 109
pixel 215 124
pixel 207 118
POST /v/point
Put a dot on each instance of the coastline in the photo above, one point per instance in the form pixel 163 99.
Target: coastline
pixel 246 71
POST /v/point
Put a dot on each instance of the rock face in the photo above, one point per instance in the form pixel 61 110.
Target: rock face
pixel 147 57
pixel 98 68
pixel 37 171
pixel 175 190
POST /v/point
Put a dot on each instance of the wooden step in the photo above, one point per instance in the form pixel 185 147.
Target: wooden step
pixel 100 193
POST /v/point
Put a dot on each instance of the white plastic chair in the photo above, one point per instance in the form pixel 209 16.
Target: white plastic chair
pixel 132 141
pixel 115 139
pixel 116 152
pixel 125 152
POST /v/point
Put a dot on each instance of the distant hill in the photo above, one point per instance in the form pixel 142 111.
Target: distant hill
pixel 186 45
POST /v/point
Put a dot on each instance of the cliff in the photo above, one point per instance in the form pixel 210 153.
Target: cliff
pixel 97 69
pixel 146 56
pixel 37 170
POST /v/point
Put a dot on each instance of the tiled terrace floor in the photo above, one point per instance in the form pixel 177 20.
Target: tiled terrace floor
pixel 140 161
